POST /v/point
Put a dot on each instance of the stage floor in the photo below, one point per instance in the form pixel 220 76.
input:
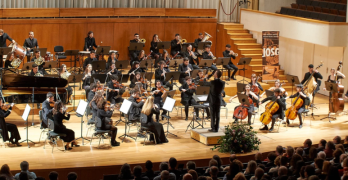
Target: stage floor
pixel 182 147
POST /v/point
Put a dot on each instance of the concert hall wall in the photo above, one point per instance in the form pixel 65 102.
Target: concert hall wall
pixel 114 32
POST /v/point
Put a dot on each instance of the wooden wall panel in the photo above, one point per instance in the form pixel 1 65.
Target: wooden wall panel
pixel 139 12
pixel 147 30
pixel 47 35
pixel 1 13
pixel 84 12
pixel 103 32
pixel 123 33
pixel 26 12
pixel 18 32
pixel 72 36
pixel 191 12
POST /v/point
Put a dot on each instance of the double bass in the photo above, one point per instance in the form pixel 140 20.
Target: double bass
pixel 310 85
pixel 336 104
pixel 270 109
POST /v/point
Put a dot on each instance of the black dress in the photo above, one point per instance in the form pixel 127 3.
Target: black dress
pixel 8 127
pixel 155 127
pixel 60 128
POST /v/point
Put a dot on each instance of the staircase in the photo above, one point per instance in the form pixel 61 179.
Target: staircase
pixel 243 43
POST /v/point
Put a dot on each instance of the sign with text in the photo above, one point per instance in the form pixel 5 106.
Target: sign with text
pixel 270 48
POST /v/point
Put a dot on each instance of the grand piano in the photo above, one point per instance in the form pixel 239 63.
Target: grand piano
pixel 17 88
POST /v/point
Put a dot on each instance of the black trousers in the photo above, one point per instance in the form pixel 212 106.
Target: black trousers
pixel 12 128
pixel 231 67
pixel 160 105
pixel 190 103
pixel 113 133
pixel 215 115
pixel 70 135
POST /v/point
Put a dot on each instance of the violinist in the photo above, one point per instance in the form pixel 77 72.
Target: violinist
pixel 8 127
pixel 277 85
pixel 63 73
pixel 93 106
pixel 160 75
pixel 86 80
pixel 252 96
pixel 35 71
pixel 185 68
pixel 187 92
pixel 138 81
pixel 47 110
pixel 91 93
pixel 114 90
pixel 9 59
pixel 280 100
pixel 37 55
pixel 230 66
pixel 135 109
pixel 201 77
pixel 111 60
pixel 135 68
pixel 192 56
pixel 207 54
pixel 316 76
pixel 158 93
pixel 299 89
pixel 60 114
pixel 154 51
pixel 112 70
pixel 104 113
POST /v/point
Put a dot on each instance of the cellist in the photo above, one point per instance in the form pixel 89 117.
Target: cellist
pixel 280 100
pixel 252 96
pixel 299 89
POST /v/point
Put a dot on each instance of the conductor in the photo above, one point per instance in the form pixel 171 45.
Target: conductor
pixel 217 86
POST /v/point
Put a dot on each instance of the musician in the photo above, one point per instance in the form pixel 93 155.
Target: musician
pixel 175 45
pixel 165 57
pixel 185 68
pixel 207 54
pixel 89 42
pixel 112 70
pixel 135 68
pixel 158 95
pixel 254 82
pixel 60 114
pixel 8 127
pixel 316 76
pixel 150 107
pixel 335 77
pixel 90 59
pixel 37 55
pixel 91 93
pixel 153 49
pixel 160 75
pixel 47 110
pixel 3 37
pixel 93 106
pixel 86 80
pixel 230 66
pixel 114 91
pixel 63 73
pixel 105 113
pixel 134 53
pixel 251 95
pixel 217 86
pixel 277 85
pixel 280 100
pixel 299 89
pixel 186 96
pixel 139 58
pixel 35 71
pixel 111 60
pixel 193 59
pixel 8 61
pixel 135 109
pixel 197 41
pixel 30 43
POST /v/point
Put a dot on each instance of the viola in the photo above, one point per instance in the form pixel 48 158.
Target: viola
pixel 241 111
pixel 118 85
pixel 162 89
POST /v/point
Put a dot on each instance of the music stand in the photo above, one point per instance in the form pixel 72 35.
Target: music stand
pixel 205 63
pixel 123 78
pixel 50 65
pixel 148 76
pixel 194 72
pixel 100 77
pixel 294 80
pixel 52 75
pixel 73 78
pixel 42 51
pixel 223 61
pixel 171 76
pixel 122 64
pixel 203 90
pixel 25 118
pixel 332 88
pixel 244 61
pixel 101 50
pixel 146 63
pixel 28 66
pixel 98 65
pixel 126 105
pixel 163 45
pixel 240 87
pixel 269 93
pixel 71 53
pixel 169 94
pixel 201 45
pixel 174 63
pixel 168 106
pixel 80 111
pixel 134 46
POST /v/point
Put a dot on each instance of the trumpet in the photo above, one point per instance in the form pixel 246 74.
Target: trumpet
pixel 142 40
pixel 233 53
pixel 39 61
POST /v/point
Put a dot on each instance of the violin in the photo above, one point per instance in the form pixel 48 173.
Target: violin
pixel 118 85
pixel 138 100
pixel 52 104
pixel 162 89
pixel 142 80
pixel 192 86
pixel 6 106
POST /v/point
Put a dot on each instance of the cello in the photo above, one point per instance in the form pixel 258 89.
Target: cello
pixel 270 109
pixel 336 104
pixel 241 111
pixel 291 113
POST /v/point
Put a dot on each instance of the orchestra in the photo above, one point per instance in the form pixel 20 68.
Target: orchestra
pixel 102 98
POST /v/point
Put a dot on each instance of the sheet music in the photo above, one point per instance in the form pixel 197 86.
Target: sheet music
pixel 125 106
pixel 169 104
pixel 81 108
pixel 202 98
pixel 26 112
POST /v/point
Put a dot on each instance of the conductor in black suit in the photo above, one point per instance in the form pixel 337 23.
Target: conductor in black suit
pixel 30 43
pixel 3 37
pixel 217 86
pixel 89 42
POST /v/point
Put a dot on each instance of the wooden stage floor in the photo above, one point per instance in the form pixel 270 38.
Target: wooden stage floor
pixel 182 147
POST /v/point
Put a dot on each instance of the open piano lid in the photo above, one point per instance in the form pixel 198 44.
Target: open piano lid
pixel 18 80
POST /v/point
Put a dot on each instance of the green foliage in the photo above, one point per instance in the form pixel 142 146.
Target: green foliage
pixel 238 138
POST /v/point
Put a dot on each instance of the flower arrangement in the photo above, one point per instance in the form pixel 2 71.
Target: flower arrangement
pixel 238 138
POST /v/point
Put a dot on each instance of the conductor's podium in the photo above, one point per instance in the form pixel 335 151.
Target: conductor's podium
pixel 206 137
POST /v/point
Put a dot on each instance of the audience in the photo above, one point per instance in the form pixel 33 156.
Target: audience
pixel 318 165
pixel 321 146
pixel 164 175
pixel 250 170
pixel 53 175
pixel 137 170
pixel 191 165
pixel 125 172
pixel 259 172
pixel 345 143
pixel 149 172
pixel 72 176
pixel 25 168
pixel 5 171
pixel 289 152
pixel 258 158
pixel 187 176
pixel 172 167
pixel 321 155
pixel 329 149
pixel 283 171
pixel 23 176
pixel 219 161
pixel 271 157
pixel 214 172
pixel 307 144
pixel 164 166
pixel 337 140
pixel 193 174
pixel 239 176
pixel 279 150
